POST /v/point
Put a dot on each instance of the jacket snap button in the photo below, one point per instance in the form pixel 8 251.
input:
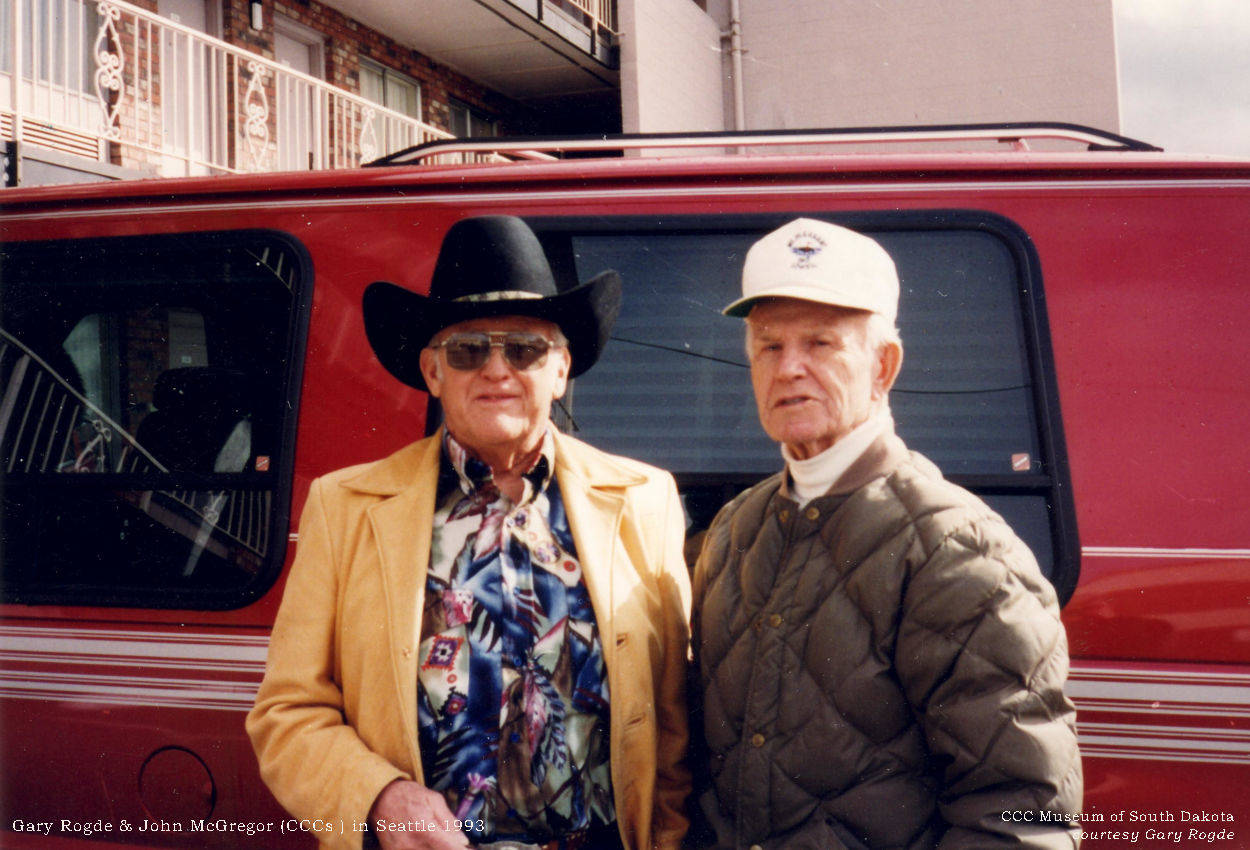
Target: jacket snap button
pixel 775 620
pixel 785 516
pixel 757 740
pixel 813 513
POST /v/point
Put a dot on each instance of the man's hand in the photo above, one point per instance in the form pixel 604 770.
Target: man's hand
pixel 416 817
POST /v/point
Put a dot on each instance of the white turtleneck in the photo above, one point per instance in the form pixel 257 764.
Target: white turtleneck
pixel 814 476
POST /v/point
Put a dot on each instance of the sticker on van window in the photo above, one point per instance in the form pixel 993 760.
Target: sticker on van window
pixel 1021 462
pixel 262 463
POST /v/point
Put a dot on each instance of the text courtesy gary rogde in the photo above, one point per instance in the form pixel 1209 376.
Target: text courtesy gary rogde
pixel 90 828
pixel 1130 826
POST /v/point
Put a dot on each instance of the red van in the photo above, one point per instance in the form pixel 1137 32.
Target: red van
pixel 178 360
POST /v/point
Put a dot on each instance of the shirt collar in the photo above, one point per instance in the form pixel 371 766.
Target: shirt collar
pixel 473 474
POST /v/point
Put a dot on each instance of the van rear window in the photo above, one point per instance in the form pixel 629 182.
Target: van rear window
pixel 144 417
pixel 975 394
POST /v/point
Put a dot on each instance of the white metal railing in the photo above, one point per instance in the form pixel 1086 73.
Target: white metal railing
pixel 110 79
pixel 47 426
pixel 602 12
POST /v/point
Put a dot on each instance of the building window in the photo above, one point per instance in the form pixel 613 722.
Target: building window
pixel 467 121
pixel 395 91
pixel 147 429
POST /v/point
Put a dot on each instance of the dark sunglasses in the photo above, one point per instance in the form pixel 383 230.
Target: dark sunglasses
pixel 521 350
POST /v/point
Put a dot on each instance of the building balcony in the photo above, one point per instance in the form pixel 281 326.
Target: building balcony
pixel 528 50
pixel 114 83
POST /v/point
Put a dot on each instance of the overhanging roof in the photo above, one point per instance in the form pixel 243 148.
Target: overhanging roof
pixel 497 43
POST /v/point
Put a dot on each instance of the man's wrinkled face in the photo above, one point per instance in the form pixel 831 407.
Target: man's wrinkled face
pixel 497 407
pixel 814 374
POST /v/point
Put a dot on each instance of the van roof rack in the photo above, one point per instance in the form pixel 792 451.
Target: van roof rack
pixel 1017 134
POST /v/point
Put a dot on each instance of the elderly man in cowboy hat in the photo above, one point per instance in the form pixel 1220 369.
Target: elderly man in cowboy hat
pixel 483 637
pixel 880 661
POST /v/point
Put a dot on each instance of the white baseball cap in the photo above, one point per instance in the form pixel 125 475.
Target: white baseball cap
pixel 817 261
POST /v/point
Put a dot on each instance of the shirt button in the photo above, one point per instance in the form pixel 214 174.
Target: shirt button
pixel 812 513
pixel 774 620
pixel 757 740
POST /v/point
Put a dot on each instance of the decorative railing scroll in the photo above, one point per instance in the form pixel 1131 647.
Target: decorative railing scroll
pixel 108 75
pixel 111 80
pixel 256 123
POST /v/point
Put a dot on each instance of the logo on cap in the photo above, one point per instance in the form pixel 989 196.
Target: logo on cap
pixel 805 245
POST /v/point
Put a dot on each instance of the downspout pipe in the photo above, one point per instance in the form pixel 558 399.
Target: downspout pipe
pixel 15 77
pixel 734 34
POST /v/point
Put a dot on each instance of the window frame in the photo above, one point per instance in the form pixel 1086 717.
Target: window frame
pixel 278 480
pixel 385 72
pixel 1052 479
pixel 473 117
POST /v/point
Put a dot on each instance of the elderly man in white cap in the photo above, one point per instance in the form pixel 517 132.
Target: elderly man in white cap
pixel 880 661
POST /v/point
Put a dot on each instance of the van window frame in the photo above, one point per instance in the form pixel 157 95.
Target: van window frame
pixel 279 480
pixel 1053 480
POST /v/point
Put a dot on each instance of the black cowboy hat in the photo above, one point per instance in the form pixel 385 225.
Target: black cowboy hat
pixel 488 266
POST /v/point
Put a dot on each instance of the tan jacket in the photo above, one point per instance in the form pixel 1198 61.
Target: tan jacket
pixel 336 717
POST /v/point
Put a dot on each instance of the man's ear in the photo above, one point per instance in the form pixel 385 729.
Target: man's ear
pixel 564 363
pixel 432 371
pixel 889 362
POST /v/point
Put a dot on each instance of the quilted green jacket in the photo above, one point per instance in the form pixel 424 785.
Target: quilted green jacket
pixel 881 668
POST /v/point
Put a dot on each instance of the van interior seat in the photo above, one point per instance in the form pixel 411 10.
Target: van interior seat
pixel 199 410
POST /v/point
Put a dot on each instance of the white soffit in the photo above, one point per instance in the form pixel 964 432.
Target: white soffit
pixel 489 41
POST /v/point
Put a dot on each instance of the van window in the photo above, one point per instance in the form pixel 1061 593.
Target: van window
pixel 144 417
pixel 974 395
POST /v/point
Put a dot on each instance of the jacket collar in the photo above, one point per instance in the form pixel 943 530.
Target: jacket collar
pixel 882 457
pixel 397 472
pixel 591 467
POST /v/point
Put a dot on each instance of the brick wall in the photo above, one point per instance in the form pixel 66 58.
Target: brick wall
pixel 348 41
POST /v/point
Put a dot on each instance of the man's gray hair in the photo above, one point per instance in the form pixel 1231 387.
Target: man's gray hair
pixel 880 331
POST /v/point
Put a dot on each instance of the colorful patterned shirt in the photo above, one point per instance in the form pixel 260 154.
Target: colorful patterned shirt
pixel 513 696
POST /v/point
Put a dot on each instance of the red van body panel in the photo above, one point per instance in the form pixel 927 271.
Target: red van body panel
pixel 127 715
